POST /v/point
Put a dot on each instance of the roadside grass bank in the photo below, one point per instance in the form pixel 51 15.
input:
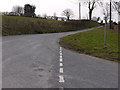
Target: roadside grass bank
pixel 15 25
pixel 92 43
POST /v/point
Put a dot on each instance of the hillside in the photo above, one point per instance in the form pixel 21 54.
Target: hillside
pixel 15 25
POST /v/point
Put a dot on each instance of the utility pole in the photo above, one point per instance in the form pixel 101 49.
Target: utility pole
pixel 105 31
pixel 110 15
pixel 79 11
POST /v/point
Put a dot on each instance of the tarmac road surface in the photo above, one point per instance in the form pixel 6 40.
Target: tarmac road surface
pixel 38 61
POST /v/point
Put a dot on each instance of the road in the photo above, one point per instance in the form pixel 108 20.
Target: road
pixel 37 61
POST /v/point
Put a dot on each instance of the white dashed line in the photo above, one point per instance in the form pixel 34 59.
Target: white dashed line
pixel 60 48
pixel 61 79
pixel 61 64
pixel 60 56
pixel 61 70
pixel 61 60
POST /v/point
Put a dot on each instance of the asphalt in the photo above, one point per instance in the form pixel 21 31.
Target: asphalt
pixel 32 61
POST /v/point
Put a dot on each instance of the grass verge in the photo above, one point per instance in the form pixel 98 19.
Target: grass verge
pixel 15 25
pixel 92 43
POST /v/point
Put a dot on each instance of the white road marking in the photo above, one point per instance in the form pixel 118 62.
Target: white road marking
pixel 61 59
pixel 60 48
pixel 61 79
pixel 60 56
pixel 61 64
pixel 60 51
pixel 61 70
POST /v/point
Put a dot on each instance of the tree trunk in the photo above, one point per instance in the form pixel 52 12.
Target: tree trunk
pixel 90 15
pixel 68 18
pixel 91 9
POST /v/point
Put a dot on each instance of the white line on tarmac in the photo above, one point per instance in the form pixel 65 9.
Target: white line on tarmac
pixel 61 79
pixel 60 51
pixel 61 60
pixel 61 70
pixel 61 64
pixel 60 48
pixel 60 56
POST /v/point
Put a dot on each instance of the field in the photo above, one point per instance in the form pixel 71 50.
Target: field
pixel 15 25
pixel 92 43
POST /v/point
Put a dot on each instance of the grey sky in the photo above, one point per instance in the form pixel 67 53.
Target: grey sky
pixel 50 7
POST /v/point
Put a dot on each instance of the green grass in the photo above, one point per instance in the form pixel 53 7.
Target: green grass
pixel 92 43
pixel 26 18
pixel 15 25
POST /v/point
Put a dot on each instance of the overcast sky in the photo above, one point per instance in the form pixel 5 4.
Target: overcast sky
pixel 50 7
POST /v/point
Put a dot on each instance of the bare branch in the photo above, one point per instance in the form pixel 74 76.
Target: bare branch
pixel 91 6
pixel 106 10
pixel 116 6
pixel 18 9
pixel 68 13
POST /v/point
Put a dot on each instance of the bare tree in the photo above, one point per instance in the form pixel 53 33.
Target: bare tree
pixel 45 16
pixel 55 16
pixel 91 6
pixel 18 9
pixel 116 6
pixel 68 13
pixel 106 10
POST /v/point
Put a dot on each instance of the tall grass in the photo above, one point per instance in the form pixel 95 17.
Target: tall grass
pixel 14 25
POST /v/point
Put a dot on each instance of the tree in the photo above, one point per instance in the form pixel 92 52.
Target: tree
pixel 45 16
pixel 91 6
pixel 68 13
pixel 18 9
pixel 116 6
pixel 106 10
pixel 29 10
pixel 55 16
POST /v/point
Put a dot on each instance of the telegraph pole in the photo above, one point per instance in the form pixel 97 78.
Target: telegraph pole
pixel 79 8
pixel 79 11
pixel 105 31
pixel 110 15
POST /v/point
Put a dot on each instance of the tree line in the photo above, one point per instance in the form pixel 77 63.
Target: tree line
pixel 92 4
pixel 29 10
